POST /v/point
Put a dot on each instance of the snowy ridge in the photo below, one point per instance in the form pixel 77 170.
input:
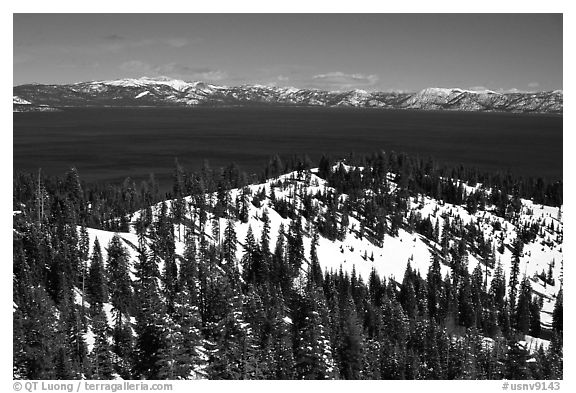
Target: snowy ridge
pixel 176 84
pixel 176 92
pixel 390 258
pixel 20 101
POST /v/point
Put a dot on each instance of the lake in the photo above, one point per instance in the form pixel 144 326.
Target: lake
pixel 109 144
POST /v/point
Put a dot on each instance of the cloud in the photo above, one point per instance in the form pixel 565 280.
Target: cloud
pixel 511 90
pixel 303 77
pixel 136 66
pixel 114 37
pixel 533 85
pixel 341 81
pixel 174 70
pixel 117 43
pixel 189 72
pixel 177 42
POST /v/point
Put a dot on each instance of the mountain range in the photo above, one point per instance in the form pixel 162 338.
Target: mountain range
pixel 166 92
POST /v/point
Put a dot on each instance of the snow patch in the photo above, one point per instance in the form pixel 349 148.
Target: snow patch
pixel 142 94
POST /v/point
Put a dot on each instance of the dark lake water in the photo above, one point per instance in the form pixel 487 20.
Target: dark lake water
pixel 110 144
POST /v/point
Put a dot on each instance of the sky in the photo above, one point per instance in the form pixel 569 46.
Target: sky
pixel 374 52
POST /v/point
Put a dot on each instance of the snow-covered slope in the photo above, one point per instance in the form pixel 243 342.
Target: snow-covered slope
pixel 20 101
pixel 163 91
pixel 22 105
pixel 390 258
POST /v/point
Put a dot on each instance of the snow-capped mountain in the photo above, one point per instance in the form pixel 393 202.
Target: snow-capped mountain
pixel 164 91
pixel 22 105
pixel 19 101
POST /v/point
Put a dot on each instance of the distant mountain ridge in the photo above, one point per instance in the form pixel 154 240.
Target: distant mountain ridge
pixel 162 91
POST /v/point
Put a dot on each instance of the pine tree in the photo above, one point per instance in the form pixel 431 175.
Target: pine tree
pixel 498 286
pixel 188 278
pixel 101 356
pixel 555 357
pixel 477 288
pixel 523 308
pixel 84 243
pixel 123 348
pixel 535 324
pixel 35 336
pixel 184 355
pixel 557 314
pixel 178 204
pixel 236 353
pixel 516 362
pixel 280 271
pixel 295 247
pixel 63 369
pixel 350 350
pixel 76 344
pixel 314 354
pixel 431 353
pixel 119 282
pixel 265 237
pixel 376 288
pixel 282 366
pixel 170 273
pixel 249 258
pixel 407 296
pixel 73 187
pixel 434 282
pixel 514 272
pixel 466 313
pixel 97 291
pixel 151 309
pixel 230 244
pixel 315 274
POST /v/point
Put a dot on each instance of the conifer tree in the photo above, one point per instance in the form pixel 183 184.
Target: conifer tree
pixel 280 269
pixel 434 282
pixel 119 282
pixel 236 353
pixel 522 313
pixel 498 286
pixel 407 296
pixel 314 354
pixel 188 277
pixel 282 366
pixel 230 244
pixel 77 350
pixel 184 354
pixel 557 313
pixel 249 258
pixel 514 272
pixel 477 295
pixel 101 356
pixel 295 247
pixel 122 348
pixel 151 309
pixel 315 269
pixel 63 368
pixel 97 291
pixel 516 362
pixel 35 336
pixel 535 324
pixel 265 237
pixel 554 356
pixel 350 350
